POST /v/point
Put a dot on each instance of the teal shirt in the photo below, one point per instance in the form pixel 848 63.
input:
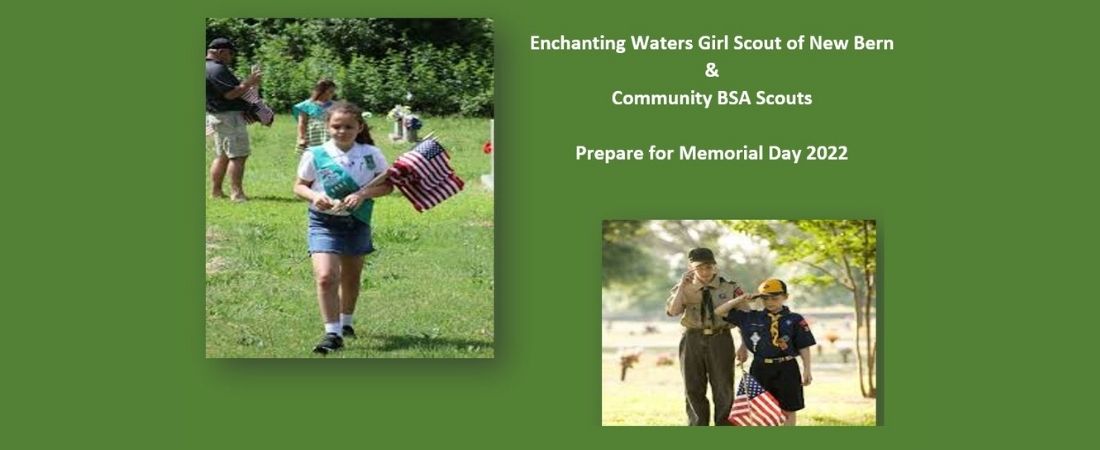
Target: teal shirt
pixel 316 132
pixel 311 108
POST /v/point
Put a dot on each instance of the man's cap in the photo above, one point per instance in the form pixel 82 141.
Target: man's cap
pixel 701 255
pixel 773 286
pixel 220 43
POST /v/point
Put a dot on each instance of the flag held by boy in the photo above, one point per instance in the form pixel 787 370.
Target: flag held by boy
pixel 753 406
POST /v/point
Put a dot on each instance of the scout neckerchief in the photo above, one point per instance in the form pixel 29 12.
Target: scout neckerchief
pixel 338 183
pixel 774 328
pixel 708 307
pixel 708 304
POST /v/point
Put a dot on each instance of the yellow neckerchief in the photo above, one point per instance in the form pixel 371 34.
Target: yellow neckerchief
pixel 775 326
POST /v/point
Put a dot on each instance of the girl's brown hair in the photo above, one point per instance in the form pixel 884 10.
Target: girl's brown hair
pixel 346 107
pixel 321 87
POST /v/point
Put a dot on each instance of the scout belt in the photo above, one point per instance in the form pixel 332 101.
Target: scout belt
pixel 706 331
pixel 777 360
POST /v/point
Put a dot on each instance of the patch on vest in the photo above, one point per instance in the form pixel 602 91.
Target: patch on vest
pixel 328 176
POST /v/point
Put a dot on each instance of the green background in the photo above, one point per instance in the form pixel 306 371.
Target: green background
pixel 967 144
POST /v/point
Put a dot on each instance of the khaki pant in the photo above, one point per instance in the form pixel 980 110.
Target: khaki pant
pixel 230 134
pixel 707 359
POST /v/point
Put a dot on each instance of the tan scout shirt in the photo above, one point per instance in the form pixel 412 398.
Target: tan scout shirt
pixel 688 300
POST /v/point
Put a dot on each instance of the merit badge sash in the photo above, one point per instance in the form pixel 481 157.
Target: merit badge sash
pixel 338 183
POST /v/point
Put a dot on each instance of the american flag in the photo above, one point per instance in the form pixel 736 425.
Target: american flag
pixel 260 113
pixel 753 406
pixel 425 176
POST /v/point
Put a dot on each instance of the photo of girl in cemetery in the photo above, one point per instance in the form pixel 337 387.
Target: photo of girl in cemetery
pixel 358 154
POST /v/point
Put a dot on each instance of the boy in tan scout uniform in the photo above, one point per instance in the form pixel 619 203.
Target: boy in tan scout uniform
pixel 706 347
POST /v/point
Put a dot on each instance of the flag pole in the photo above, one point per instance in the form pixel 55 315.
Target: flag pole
pixel 381 178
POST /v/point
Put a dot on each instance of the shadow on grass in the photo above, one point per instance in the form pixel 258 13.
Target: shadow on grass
pixel 275 198
pixel 392 342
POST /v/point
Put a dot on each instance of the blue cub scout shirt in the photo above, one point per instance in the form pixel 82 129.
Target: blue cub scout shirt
pixel 794 332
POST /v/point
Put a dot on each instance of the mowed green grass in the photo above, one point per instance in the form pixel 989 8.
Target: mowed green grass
pixel 427 290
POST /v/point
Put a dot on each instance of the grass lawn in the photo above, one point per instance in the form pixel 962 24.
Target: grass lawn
pixel 427 290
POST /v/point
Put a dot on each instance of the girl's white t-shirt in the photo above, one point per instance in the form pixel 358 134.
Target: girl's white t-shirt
pixel 363 163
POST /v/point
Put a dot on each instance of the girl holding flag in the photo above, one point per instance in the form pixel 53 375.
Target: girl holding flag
pixel 334 178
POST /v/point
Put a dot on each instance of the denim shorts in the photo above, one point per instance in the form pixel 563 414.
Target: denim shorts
pixel 343 235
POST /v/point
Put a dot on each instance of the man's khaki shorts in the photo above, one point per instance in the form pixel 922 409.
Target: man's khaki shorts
pixel 230 134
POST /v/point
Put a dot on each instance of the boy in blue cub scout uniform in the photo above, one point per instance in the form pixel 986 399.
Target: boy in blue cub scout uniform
pixel 776 337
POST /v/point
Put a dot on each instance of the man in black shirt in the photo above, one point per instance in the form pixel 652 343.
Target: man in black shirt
pixel 225 117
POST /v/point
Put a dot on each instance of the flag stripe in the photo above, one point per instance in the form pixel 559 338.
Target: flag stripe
pixel 425 168
pixel 265 115
pixel 412 196
pixel 765 414
pixel 420 202
pixel 423 199
pixel 754 406
pixel 419 167
pixel 771 404
pixel 753 420
pixel 435 175
pixel 442 167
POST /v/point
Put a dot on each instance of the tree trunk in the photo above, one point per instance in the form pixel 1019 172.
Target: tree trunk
pixel 859 353
pixel 869 341
pixel 861 326
pixel 874 364
pixel 869 298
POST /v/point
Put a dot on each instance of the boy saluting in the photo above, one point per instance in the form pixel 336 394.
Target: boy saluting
pixel 776 337
pixel 706 347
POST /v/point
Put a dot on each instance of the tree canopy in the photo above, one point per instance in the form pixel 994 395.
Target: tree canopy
pixel 444 65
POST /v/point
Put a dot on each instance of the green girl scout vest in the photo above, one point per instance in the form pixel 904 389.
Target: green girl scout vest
pixel 338 183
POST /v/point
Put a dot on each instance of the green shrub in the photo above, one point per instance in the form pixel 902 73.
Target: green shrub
pixel 375 66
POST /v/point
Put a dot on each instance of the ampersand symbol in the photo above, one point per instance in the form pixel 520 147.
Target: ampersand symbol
pixel 712 71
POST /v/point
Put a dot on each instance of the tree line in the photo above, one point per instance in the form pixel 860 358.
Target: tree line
pixel 446 65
